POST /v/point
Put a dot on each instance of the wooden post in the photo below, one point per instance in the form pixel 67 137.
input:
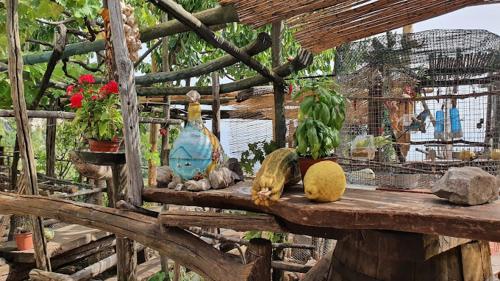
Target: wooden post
pixel 260 251
pixel 279 125
pixel 50 144
pixel 215 105
pixel 130 111
pixel 127 255
pixel 153 141
pixel 26 150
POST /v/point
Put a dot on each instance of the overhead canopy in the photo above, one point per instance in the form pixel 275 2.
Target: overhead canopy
pixel 321 25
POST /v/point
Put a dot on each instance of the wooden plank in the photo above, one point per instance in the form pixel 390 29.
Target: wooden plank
pixel 15 68
pixel 238 222
pixel 178 12
pixel 358 209
pixel 216 105
pixel 65 239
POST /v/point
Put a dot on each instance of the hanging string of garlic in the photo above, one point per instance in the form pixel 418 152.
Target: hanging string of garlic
pixel 131 32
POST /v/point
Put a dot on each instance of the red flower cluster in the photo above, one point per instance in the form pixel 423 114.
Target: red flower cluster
pixel 163 132
pixel 76 92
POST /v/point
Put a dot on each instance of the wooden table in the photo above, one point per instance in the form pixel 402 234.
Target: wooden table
pixel 384 235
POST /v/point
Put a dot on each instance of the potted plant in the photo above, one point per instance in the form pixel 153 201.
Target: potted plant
pixel 321 116
pixel 23 234
pixel 98 118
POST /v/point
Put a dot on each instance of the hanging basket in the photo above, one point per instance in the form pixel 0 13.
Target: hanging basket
pixel 104 146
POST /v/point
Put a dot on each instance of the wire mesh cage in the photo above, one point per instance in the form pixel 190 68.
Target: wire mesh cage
pixel 422 102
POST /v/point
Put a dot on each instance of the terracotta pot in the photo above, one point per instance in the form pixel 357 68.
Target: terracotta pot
pixel 306 162
pixel 104 146
pixel 24 241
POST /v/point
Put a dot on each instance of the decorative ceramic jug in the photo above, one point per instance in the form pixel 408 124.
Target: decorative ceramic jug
pixel 195 151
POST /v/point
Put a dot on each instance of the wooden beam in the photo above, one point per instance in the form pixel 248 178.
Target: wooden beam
pixel 23 132
pixel 291 267
pixel 71 115
pixel 95 269
pixel 301 61
pixel 41 275
pixel 319 272
pixel 216 105
pixel 210 17
pixel 279 121
pixel 238 222
pixel 178 12
pixel 262 43
pixel 178 244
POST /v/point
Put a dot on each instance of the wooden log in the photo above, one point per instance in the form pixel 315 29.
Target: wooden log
pixel 178 244
pixel 289 266
pixel 260 251
pixel 303 59
pixel 71 115
pixel 215 16
pixel 153 142
pixel 216 105
pixel 83 251
pixel 262 43
pixel 238 222
pixel 145 270
pixel 50 146
pixel 178 12
pixel 58 188
pixel 22 124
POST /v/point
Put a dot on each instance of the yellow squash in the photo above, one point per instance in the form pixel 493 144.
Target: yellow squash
pixel 324 182
pixel 280 168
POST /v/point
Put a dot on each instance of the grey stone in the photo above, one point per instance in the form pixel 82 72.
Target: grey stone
pixel 164 176
pixel 221 178
pixel 200 185
pixel 467 186
pixel 233 165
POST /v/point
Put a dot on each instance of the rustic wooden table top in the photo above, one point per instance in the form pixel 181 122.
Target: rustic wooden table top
pixel 358 209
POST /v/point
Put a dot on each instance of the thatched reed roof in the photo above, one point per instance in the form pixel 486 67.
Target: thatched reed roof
pixel 321 25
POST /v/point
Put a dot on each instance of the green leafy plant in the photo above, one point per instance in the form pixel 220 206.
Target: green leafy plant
pixel 98 113
pixel 321 116
pixel 256 153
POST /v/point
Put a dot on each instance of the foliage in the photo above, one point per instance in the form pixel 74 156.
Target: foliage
pixel 321 116
pixel 274 237
pixel 98 113
pixel 256 153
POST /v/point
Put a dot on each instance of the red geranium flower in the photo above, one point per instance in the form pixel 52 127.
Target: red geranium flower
pixel 94 97
pixel 76 100
pixel 163 131
pixel 69 89
pixel 86 79
pixel 110 88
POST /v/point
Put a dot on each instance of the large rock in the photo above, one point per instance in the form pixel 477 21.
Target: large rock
pixel 467 186
pixel 164 176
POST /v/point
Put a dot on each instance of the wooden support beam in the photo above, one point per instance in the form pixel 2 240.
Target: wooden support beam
pixel 319 272
pixel 24 139
pixel 41 275
pixel 279 121
pixel 260 251
pixel 178 12
pixel 216 105
pixel 262 43
pixel 127 255
pixel 291 267
pixel 178 244
pixel 95 269
pixel 301 61
pixel 238 222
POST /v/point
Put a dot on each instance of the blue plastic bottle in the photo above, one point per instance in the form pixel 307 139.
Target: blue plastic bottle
pixel 439 128
pixel 456 127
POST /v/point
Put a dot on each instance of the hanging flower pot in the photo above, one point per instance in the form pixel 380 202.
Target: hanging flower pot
pixel 24 241
pixel 104 145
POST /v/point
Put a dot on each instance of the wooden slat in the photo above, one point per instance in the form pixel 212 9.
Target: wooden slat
pixel 358 209
pixel 239 222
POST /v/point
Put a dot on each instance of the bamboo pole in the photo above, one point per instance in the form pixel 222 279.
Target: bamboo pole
pixel 26 150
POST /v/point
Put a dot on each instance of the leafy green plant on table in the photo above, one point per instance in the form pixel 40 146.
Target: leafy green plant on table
pixel 256 153
pixel 321 116
pixel 98 113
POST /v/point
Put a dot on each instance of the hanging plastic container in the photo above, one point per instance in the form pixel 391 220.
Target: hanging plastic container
pixel 192 151
pixel 439 127
pixel 456 127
